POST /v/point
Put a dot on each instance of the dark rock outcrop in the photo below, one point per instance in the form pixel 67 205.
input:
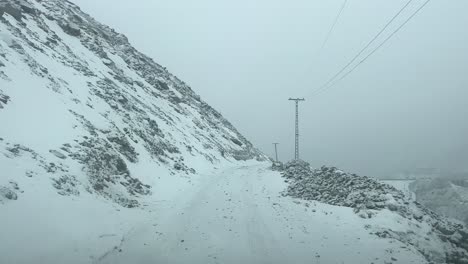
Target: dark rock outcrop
pixel 106 170
pixel 70 28
pixel 4 99
pixel 12 8
pixel 7 193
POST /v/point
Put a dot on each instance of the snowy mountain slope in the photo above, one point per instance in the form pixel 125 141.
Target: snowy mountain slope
pixel 105 157
pixel 79 105
pixel 445 195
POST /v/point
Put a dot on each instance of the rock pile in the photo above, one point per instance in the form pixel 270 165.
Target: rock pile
pixel 333 186
pixel 297 170
pixel 368 196
pixel 277 166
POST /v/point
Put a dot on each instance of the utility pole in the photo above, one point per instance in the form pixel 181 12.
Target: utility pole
pixel 276 150
pixel 296 150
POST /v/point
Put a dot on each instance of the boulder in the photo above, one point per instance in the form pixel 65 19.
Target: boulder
pixel 70 28
pixel 8 194
pixel 27 8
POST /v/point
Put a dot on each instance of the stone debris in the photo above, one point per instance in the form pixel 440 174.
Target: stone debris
pixel 277 166
pixel 67 185
pixel 333 186
pixel 368 196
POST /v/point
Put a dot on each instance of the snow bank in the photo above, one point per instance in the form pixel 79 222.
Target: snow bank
pixel 370 198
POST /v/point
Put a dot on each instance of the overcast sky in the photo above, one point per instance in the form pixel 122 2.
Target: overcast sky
pixel 405 107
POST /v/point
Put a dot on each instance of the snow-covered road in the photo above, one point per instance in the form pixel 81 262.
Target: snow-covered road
pixel 235 214
pixel 239 216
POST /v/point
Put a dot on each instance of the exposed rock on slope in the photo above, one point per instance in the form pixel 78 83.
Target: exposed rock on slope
pixel 3 99
pixel 9 192
pixel 368 197
pixel 447 196
pixel 80 105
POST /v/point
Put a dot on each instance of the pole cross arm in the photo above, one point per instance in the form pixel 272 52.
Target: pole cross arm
pixel 296 99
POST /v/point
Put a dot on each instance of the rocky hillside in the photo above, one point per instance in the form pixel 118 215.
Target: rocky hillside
pixel 84 110
pixel 438 239
pixel 446 195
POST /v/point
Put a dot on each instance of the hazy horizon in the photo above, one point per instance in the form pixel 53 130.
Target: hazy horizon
pixel 404 108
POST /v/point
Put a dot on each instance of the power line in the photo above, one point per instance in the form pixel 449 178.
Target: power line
pixel 365 47
pixel 378 47
pixel 334 23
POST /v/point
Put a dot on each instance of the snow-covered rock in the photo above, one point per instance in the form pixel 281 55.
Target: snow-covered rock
pixel 333 186
pixel 277 166
pixel 445 195
pixel 9 192
pixel 369 197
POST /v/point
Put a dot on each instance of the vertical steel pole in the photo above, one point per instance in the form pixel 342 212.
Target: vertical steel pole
pixel 296 156
pixel 276 151
pixel 296 145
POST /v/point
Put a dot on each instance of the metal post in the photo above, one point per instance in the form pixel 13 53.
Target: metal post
pixel 296 149
pixel 276 151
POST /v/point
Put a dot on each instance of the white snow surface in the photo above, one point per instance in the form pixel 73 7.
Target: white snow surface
pixel 232 215
pixel 105 157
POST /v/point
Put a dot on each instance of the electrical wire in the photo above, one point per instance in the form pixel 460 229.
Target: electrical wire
pixel 378 47
pixel 334 24
pixel 367 46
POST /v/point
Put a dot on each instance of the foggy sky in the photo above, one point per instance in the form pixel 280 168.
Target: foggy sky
pixel 406 107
